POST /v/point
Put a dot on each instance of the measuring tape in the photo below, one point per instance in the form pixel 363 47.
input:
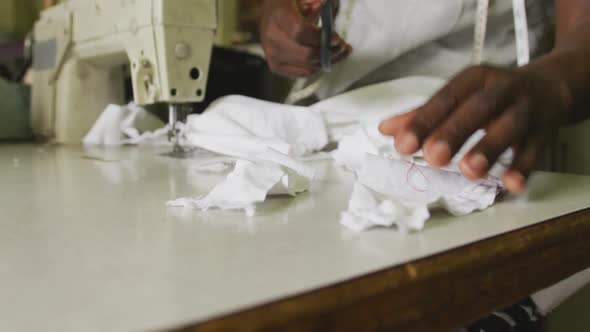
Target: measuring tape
pixel 521 31
pixel 479 36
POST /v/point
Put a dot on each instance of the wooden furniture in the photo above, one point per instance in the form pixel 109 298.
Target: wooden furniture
pixel 438 293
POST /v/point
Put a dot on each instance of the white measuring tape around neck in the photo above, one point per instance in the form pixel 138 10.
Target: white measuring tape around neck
pixel 521 31
pixel 479 35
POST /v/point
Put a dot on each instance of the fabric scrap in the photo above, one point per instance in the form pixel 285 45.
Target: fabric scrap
pixel 130 124
pixel 267 141
pixel 390 192
pixel 251 182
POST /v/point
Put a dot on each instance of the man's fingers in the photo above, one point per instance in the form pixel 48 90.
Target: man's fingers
pixel 291 38
pixel 284 47
pixel 341 52
pixel 289 53
pixel 431 115
pixel 309 7
pixel 510 128
pixel 293 71
pixel 524 162
pixel 475 113
pixel 392 126
pixel 297 28
pixel 397 124
pixel 280 49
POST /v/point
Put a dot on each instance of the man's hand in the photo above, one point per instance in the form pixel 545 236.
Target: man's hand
pixel 519 108
pixel 291 38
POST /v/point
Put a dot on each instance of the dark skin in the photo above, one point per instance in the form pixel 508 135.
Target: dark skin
pixel 291 38
pixel 519 107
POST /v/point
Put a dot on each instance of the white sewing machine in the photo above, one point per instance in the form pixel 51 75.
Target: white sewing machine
pixel 84 50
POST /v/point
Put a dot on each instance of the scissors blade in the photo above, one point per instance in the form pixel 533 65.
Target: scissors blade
pixel 327 31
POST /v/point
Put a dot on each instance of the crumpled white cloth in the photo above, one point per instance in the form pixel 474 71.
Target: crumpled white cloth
pixel 129 124
pixel 250 183
pixel 266 139
pixel 366 107
pixel 353 118
pixel 267 143
pixel 240 125
pixel 400 192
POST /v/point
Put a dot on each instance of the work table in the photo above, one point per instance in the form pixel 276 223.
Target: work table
pixel 88 243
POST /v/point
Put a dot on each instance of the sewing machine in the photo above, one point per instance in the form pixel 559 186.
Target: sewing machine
pixel 85 49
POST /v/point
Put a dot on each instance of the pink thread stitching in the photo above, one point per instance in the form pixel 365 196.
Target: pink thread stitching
pixel 409 174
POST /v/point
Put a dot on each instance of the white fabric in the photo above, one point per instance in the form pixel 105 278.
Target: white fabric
pixel 238 126
pixel 346 113
pixel 382 30
pixel 267 142
pixel 353 120
pixel 399 192
pixel 353 117
pixel 250 182
pixel 130 124
pixel 396 38
pixel 266 139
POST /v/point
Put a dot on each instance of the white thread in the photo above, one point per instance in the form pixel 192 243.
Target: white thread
pixel 298 92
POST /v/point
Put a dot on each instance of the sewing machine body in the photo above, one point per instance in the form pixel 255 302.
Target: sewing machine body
pixel 84 50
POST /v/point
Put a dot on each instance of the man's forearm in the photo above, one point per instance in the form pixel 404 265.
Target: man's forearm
pixel 573 51
pixel 569 61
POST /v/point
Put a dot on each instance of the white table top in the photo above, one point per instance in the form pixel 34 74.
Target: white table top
pixel 88 244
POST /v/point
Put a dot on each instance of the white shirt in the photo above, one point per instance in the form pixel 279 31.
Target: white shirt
pixel 397 38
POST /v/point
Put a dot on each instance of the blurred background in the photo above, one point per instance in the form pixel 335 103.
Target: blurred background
pixel 16 20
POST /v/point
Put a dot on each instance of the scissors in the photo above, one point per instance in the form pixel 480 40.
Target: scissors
pixel 327 17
